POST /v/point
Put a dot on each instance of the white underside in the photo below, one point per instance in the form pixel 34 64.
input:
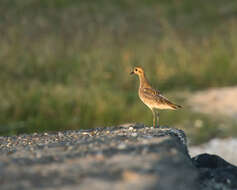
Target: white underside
pixel 161 107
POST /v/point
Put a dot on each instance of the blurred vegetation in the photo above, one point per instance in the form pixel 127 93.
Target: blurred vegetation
pixel 64 64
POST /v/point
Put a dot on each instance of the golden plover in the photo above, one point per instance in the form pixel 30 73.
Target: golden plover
pixel 151 97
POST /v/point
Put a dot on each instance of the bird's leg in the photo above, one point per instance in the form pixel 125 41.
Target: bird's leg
pixel 154 117
pixel 158 119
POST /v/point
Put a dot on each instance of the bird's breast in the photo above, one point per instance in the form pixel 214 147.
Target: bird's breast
pixel 147 101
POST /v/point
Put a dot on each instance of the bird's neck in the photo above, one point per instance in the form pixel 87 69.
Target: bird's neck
pixel 143 81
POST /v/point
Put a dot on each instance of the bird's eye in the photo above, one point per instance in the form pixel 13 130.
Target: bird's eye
pixel 135 69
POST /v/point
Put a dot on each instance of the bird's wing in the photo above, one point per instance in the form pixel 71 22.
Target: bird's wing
pixel 151 92
pixel 156 95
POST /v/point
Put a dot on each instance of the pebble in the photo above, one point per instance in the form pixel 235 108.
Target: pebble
pixel 134 134
pixel 86 133
pixel 130 128
pixel 122 146
pixel 60 134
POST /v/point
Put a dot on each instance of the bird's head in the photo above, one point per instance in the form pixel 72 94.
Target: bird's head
pixel 138 71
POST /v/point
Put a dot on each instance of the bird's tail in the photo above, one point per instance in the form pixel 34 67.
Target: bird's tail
pixel 176 106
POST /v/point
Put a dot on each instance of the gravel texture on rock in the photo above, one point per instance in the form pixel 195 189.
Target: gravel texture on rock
pixel 132 157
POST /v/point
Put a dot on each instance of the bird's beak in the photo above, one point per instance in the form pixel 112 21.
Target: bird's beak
pixel 132 73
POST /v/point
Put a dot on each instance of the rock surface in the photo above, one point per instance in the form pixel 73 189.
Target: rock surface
pixel 215 172
pixel 133 157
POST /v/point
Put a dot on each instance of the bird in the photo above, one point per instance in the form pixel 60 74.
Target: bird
pixel 151 97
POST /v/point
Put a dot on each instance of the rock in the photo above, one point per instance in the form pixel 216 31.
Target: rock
pixel 133 157
pixel 215 171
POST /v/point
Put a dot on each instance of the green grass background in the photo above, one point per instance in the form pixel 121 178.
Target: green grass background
pixel 64 64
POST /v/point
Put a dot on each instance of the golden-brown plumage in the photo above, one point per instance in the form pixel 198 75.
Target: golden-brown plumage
pixel 151 97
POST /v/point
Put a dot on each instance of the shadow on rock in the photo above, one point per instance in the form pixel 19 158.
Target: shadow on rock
pixel 215 172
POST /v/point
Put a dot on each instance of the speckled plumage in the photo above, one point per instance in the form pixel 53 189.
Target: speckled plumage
pixel 151 97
